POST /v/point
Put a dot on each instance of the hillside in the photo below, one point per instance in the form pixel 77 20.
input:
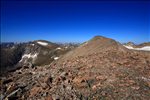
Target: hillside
pixel 34 53
pixel 96 45
pixel 99 69
pixel 10 55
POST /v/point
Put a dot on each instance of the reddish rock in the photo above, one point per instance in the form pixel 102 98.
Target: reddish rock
pixel 35 90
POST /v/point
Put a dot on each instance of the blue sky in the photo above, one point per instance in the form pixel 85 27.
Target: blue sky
pixel 74 21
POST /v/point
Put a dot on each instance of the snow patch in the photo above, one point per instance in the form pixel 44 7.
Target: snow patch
pixel 42 43
pixel 145 48
pixel 129 47
pixel 55 58
pixel 12 47
pixel 58 48
pixel 29 55
pixel 33 56
pixel 32 44
pixel 66 47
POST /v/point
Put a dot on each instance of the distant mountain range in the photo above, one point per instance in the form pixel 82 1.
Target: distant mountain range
pixel 42 52
pixel 36 53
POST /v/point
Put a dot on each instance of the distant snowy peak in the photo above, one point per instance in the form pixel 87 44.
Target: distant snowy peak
pixel 145 48
pixel 42 43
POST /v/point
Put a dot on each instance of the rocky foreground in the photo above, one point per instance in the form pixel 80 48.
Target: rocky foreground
pixel 98 69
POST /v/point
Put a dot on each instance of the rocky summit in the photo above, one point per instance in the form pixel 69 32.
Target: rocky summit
pixel 99 69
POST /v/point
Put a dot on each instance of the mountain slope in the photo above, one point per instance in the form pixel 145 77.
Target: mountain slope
pixel 98 69
pixel 35 53
pixel 10 56
pixel 38 52
pixel 103 69
pixel 95 45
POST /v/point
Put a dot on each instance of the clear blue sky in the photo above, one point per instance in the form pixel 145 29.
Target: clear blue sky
pixel 74 21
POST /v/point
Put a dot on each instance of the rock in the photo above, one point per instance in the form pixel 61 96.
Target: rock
pixel 45 94
pixel 58 80
pixel 63 78
pixel 19 71
pixel 28 65
pixel 11 88
pixel 49 98
pixel 22 85
pixel 63 74
pixel 101 77
pixel 68 81
pixel 135 87
pixel 35 90
pixel 148 84
pixel 42 84
pixel 55 97
pixel 103 93
pixel 130 82
pixel 2 97
pixel 48 80
pixel 7 81
pixel 13 94
pixel 69 87
pixel 94 87
pixel 78 80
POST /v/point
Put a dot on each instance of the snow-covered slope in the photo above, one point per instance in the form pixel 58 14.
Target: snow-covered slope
pixel 145 48
pixel 42 43
pixel 29 56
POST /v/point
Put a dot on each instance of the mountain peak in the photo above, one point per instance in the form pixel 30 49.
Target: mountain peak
pixel 102 41
pixel 98 37
pixel 96 45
